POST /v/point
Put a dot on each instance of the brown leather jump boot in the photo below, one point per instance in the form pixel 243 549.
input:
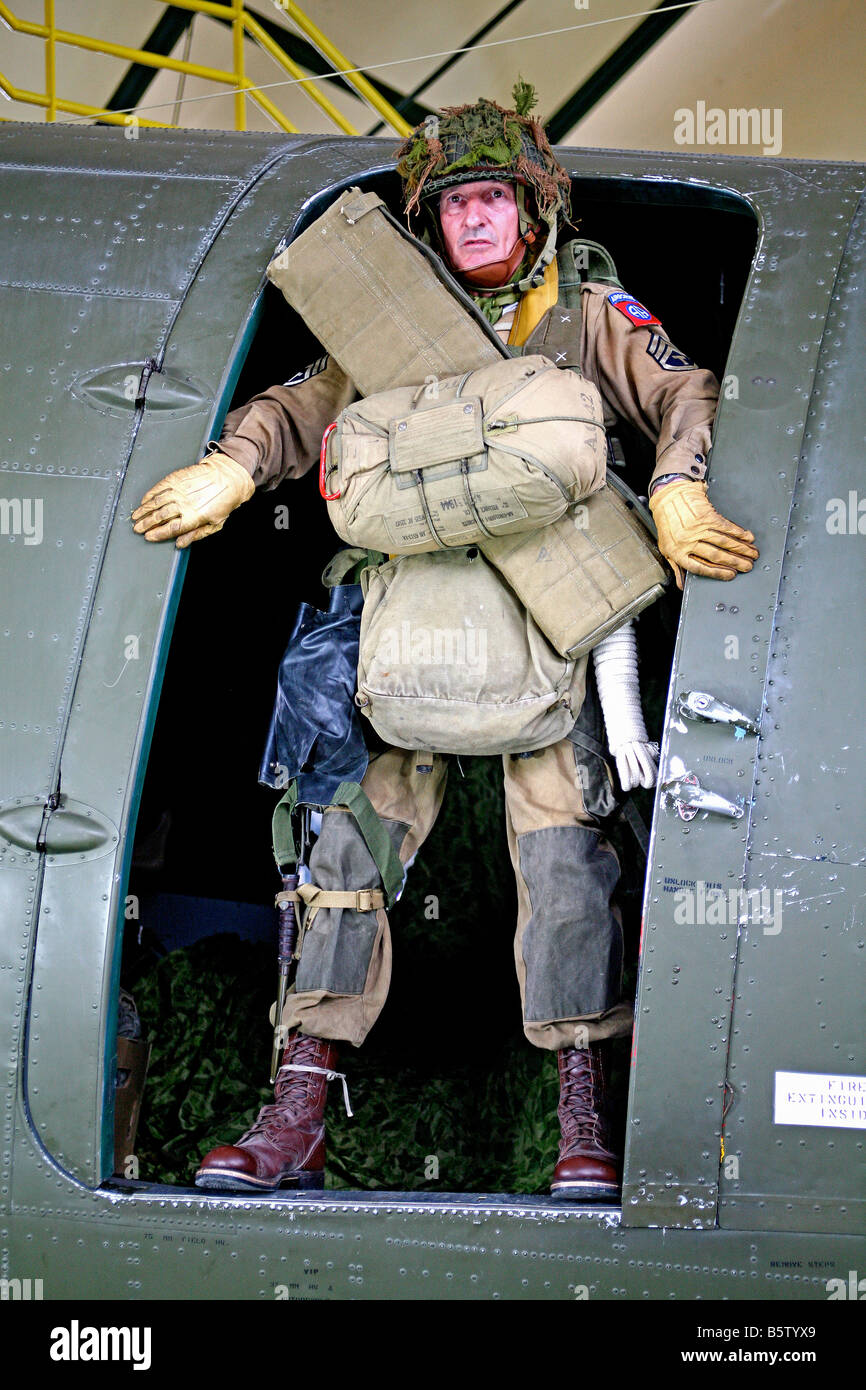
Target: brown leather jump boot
pixel 588 1167
pixel 286 1142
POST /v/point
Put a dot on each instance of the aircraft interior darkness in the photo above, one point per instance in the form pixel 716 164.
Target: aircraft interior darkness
pixel 202 864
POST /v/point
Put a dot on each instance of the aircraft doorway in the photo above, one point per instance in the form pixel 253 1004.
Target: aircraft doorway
pixel 438 1108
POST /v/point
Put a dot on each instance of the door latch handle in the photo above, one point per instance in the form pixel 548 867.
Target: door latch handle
pixel 686 796
pixel 706 709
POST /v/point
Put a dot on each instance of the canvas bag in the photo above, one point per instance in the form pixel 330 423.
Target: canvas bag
pixel 500 450
pixel 586 573
pixel 596 566
pixel 379 301
pixel 451 661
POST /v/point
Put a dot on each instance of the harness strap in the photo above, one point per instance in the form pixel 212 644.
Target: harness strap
pixel 361 899
pixel 282 833
pixel 351 796
pixel 635 820
pixel 376 838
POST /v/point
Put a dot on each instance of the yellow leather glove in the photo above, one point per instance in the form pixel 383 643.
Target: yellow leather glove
pixel 193 502
pixel 693 536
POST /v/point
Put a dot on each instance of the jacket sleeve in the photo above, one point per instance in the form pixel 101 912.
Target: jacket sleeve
pixel 278 434
pixel 648 381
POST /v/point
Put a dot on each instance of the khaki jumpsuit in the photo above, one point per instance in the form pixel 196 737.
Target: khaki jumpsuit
pixel 568 943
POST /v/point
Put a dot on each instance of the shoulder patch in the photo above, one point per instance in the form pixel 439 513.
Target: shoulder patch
pixel 668 356
pixel 622 300
pixel 313 370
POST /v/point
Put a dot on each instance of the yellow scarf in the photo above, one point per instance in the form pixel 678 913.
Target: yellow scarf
pixel 534 305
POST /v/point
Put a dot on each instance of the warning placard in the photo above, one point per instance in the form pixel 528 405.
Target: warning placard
pixel 820 1098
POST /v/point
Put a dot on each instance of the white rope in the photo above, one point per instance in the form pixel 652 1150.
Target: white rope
pixel 615 661
pixel 323 1071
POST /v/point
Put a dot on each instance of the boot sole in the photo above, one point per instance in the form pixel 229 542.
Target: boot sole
pixel 586 1192
pixel 218 1180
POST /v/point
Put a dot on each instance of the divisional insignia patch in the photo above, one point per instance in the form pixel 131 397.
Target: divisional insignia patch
pixel 668 356
pixel 313 370
pixel 622 300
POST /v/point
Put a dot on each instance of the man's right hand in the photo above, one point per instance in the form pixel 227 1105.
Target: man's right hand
pixel 193 502
pixel 693 536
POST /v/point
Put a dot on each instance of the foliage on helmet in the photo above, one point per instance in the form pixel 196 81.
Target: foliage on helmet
pixel 484 140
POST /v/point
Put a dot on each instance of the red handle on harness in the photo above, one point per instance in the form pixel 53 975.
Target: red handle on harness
pixel 328 496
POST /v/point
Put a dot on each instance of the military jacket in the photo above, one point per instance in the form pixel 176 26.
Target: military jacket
pixel 616 342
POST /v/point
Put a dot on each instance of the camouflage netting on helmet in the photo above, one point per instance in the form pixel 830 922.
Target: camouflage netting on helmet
pixel 484 139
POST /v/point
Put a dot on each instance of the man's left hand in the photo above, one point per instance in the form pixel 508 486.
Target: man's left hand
pixel 693 536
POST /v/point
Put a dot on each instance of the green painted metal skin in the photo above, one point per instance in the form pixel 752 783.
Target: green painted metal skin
pixel 131 274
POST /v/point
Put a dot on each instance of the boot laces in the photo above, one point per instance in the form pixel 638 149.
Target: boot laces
pixel 581 1102
pixel 271 1120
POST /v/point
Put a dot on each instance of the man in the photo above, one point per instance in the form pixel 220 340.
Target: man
pixel 491 196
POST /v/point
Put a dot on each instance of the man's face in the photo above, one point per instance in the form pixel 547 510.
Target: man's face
pixel 479 222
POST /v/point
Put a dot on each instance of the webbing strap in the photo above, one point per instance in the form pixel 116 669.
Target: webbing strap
pixel 378 841
pixel 376 838
pixel 361 899
pixel 585 740
pixel 635 820
pixel 345 567
pixel 579 261
pixel 282 835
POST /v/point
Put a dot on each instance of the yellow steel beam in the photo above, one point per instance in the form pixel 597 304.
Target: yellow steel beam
pixel 217 11
pixel 273 111
pixel 75 108
pixel 262 37
pixel 238 57
pixel 116 50
pixel 50 67
pixel 364 89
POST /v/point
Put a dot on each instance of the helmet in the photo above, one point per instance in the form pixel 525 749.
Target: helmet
pixel 463 144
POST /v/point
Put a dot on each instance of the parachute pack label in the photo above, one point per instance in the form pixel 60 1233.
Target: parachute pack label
pixel 495 506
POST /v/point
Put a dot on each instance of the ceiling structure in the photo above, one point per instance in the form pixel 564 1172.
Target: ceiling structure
pixel 609 73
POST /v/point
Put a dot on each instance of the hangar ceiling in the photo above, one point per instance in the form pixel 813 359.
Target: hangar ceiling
pixel 609 73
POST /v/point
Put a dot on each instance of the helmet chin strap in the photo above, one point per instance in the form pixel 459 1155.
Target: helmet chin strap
pixel 495 275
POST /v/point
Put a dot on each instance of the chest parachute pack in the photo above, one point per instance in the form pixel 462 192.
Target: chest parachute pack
pixel 501 450
pixel 483 473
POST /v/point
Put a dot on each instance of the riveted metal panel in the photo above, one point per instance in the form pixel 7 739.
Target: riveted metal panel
pixel 85 289
pixel 689 958
pixel 128 621
pixel 801 976
pixel 59 466
pixel 196 154
pixel 365 1247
